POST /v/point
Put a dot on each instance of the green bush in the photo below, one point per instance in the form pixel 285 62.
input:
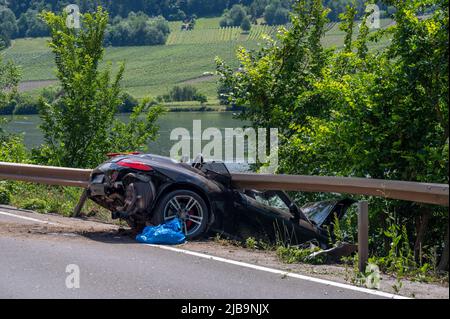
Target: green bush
pixel 251 243
pixel 5 196
pixel 246 24
pixel 233 17
pixel 128 104
pixel 290 255
pixel 26 107
pixel 20 104
pixel 12 148
pixel 137 29
pixel 36 204
pixel 184 93
pixel 8 108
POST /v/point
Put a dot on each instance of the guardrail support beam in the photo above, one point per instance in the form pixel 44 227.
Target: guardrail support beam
pixel 363 234
pixel 79 207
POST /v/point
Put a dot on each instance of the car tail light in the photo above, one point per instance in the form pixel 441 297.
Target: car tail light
pixel 118 154
pixel 135 165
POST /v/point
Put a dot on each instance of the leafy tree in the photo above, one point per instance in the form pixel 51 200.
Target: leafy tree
pixel 128 103
pixel 80 127
pixel 268 81
pixel 257 8
pixel 12 148
pixel 356 112
pixel 9 80
pixel 8 26
pixel 234 16
pixel 276 14
pixel 200 97
pixel 246 24
pixel 30 25
pixel 185 93
pixel 137 29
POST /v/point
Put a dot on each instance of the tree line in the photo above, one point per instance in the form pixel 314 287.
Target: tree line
pixel 19 18
pixel 132 29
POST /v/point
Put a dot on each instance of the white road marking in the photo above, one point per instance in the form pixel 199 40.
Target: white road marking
pixel 247 265
pixel 27 218
pixel 281 272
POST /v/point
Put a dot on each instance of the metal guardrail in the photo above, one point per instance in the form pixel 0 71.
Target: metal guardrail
pixel 409 191
pixel 61 176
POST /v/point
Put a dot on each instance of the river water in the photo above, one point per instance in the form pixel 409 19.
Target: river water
pixel 29 126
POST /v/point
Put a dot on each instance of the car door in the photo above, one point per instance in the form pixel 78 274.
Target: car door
pixel 268 215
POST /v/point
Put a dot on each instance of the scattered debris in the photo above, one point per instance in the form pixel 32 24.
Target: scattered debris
pixel 334 254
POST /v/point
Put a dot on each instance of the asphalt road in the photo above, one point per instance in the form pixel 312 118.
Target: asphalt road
pixel 35 267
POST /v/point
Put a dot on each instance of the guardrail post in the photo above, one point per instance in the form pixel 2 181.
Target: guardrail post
pixel 363 234
pixel 79 207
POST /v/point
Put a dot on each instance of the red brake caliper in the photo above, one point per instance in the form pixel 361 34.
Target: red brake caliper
pixel 189 222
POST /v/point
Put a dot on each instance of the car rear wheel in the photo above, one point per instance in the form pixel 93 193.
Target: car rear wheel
pixel 188 206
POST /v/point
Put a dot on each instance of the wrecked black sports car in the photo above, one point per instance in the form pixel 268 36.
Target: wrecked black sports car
pixel 146 189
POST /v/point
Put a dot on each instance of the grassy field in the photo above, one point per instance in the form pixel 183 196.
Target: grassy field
pixel 150 70
pixel 154 70
pixel 208 31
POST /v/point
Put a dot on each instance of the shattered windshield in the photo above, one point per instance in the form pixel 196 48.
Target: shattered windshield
pixel 318 212
pixel 273 201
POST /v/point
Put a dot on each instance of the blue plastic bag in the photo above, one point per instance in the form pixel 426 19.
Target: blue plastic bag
pixel 165 234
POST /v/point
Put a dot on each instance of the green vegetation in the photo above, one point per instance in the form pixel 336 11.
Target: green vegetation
pixel 48 199
pixel 80 126
pixel 30 25
pixel 73 113
pixel 154 70
pixel 185 93
pixel 137 29
pixel 277 12
pixel 219 35
pixel 234 17
pixel 150 70
pixel 290 255
pixel 9 79
pixel 251 243
pixel 8 26
pixel 351 111
pixel 20 19
pixel 246 25
pixel 5 196
pixel 12 148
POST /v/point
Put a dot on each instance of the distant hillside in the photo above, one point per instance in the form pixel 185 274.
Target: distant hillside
pixel 154 70
pixel 144 22
pixel 170 9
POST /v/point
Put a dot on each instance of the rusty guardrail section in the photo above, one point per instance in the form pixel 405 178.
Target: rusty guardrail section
pixel 409 191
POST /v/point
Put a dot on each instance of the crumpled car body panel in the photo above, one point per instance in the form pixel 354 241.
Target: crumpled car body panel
pixel 133 191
